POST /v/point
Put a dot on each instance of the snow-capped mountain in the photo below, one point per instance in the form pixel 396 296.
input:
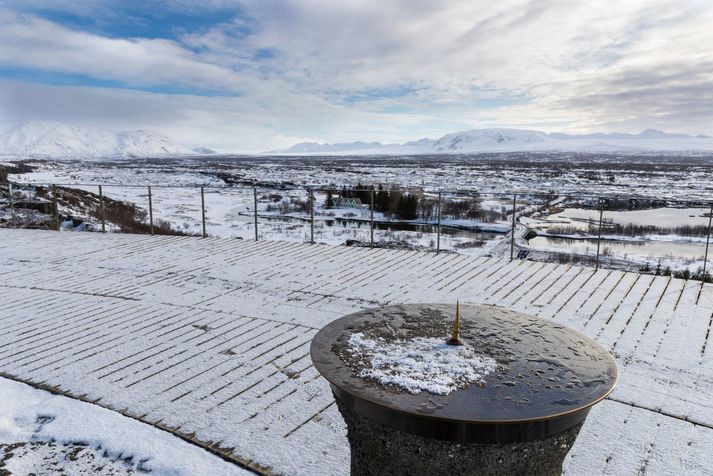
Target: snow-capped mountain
pixel 59 140
pixel 647 134
pixel 314 147
pixel 204 151
pixel 512 140
pixel 490 139
pixel 143 143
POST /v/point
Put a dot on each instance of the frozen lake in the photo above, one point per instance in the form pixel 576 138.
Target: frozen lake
pixel 649 250
pixel 664 217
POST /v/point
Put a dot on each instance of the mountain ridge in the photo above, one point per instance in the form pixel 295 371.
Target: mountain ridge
pixel 61 140
pixel 511 140
pixel 49 139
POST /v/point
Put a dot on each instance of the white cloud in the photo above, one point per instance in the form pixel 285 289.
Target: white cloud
pixel 31 42
pixel 397 70
pixel 228 124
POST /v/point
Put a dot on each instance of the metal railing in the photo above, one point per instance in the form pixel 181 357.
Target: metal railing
pixel 520 201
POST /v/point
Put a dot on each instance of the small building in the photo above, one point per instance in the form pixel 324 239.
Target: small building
pixel 346 202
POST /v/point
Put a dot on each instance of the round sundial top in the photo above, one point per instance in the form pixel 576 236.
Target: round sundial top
pixel 515 377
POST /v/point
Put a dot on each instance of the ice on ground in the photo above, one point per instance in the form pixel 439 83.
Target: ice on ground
pixel 419 364
pixel 31 416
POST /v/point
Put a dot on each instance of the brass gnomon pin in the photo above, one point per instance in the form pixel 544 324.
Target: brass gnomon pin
pixel 455 331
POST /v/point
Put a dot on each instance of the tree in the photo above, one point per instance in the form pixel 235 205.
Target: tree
pixel 427 208
pixel 329 202
pixel 394 199
pixel 411 207
pixel 381 200
pixel 364 193
pixel 360 193
pixel 407 207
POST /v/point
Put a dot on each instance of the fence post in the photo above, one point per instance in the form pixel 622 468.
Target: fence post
pixel 101 209
pixel 708 239
pixel 203 211
pixel 33 197
pixel 371 198
pixel 311 216
pixel 255 209
pixel 12 205
pixel 438 227
pixel 150 211
pixel 512 230
pixel 57 222
pixel 599 236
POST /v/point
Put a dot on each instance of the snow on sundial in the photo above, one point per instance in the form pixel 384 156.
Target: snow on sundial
pixel 417 364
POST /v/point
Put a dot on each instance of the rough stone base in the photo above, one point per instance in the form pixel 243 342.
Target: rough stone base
pixel 379 450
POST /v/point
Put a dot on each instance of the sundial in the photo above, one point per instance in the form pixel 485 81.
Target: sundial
pixel 490 376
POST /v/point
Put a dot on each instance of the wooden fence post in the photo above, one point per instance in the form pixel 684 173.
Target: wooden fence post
pixel 203 211
pixel 255 211
pixel 150 211
pixel 101 209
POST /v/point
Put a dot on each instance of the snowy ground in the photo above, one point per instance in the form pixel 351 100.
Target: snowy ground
pixel 42 433
pixel 670 176
pixel 230 214
pixel 229 210
pixel 209 338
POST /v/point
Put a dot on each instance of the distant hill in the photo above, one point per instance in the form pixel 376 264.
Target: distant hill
pixel 490 139
pixel 204 150
pixel 647 134
pixel 512 140
pixel 49 139
pixel 314 147
pixel 59 140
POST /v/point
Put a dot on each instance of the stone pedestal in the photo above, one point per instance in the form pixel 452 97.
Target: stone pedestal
pixel 378 450
pixel 398 384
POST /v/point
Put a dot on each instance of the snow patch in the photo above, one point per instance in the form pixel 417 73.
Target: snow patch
pixel 420 364
pixel 30 415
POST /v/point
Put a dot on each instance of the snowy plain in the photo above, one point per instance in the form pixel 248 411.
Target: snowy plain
pixel 229 209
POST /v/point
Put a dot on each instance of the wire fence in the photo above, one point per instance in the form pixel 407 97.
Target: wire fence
pixel 512 225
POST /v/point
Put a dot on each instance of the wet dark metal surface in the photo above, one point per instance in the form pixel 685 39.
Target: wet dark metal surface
pixel 548 375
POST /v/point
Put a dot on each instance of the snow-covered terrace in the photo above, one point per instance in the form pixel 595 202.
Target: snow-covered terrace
pixel 209 338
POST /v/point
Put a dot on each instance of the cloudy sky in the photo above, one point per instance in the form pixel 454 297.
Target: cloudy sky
pixel 248 75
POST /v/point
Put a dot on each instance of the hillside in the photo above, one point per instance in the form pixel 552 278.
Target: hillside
pixel 57 140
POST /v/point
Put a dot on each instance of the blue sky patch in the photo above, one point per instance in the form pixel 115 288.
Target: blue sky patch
pixel 130 19
pixel 72 79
